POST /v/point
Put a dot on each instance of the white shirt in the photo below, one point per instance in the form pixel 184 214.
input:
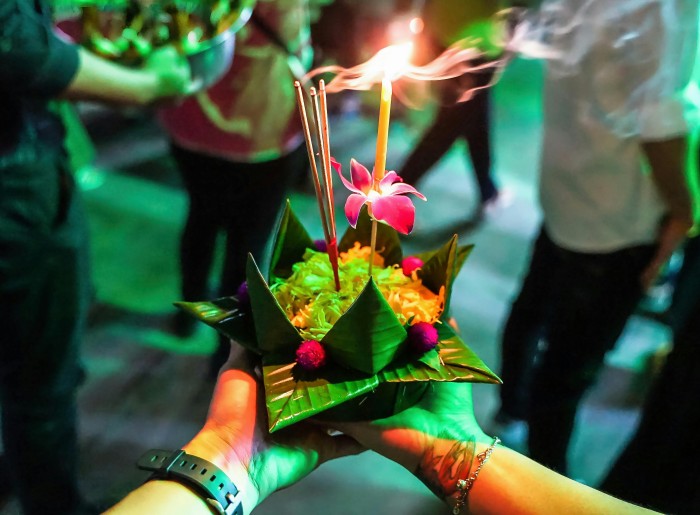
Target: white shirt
pixel 618 81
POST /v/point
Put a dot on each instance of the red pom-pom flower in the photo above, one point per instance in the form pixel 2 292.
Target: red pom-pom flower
pixel 410 264
pixel 422 337
pixel 311 355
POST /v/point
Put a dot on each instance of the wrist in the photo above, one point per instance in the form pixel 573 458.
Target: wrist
pixel 212 448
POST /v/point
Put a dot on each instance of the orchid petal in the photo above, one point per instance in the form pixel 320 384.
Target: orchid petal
pixel 397 212
pixel 346 183
pixel 401 188
pixel 389 179
pixel 361 177
pixel 352 207
pixel 392 184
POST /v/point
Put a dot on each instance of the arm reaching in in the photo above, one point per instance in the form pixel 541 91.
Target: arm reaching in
pixel 235 438
pixel 437 440
pixel 165 76
pixel 667 160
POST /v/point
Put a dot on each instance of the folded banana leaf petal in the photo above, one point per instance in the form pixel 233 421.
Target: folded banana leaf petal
pixel 228 317
pixel 442 267
pixel 458 363
pixel 368 335
pixel 274 331
pixel 291 397
pixel 291 241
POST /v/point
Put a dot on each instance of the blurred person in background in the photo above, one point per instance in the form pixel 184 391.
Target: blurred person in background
pixel 44 272
pixel 670 419
pixel 614 197
pixel 239 147
pixel 445 23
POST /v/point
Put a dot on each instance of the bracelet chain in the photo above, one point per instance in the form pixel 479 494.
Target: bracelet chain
pixel 464 485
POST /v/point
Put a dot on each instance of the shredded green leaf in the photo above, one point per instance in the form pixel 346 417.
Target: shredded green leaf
pixel 313 305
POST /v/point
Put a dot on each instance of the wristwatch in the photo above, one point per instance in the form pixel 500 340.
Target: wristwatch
pixel 202 476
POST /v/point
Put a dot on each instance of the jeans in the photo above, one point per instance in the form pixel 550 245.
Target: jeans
pixel 576 304
pixel 44 295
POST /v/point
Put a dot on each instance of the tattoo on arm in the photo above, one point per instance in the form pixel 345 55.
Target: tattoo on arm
pixel 445 464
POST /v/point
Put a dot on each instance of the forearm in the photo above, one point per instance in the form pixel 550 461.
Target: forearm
pixel 668 164
pixel 510 483
pixel 162 497
pixel 667 160
pixel 101 80
pixel 171 497
pixel 165 497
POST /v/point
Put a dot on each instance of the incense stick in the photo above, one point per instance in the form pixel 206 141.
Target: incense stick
pixel 319 135
pixel 322 136
pixel 312 160
pixel 327 206
pixel 326 156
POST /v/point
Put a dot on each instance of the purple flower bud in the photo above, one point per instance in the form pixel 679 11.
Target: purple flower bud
pixel 321 245
pixel 422 337
pixel 242 294
pixel 409 264
pixel 311 355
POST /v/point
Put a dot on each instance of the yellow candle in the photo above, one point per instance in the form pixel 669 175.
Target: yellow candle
pixel 382 132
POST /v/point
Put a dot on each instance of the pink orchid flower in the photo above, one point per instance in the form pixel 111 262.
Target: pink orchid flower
pixel 385 204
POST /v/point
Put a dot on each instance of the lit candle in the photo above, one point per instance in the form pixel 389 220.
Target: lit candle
pixel 382 132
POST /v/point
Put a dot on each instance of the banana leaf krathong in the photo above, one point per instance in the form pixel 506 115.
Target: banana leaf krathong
pixel 370 371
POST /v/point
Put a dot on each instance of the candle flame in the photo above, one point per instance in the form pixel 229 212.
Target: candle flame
pixel 457 60
pixel 393 60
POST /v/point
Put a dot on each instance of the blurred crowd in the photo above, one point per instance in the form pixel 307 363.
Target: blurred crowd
pixel 618 177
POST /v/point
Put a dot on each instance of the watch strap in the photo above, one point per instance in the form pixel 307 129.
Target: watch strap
pixel 205 478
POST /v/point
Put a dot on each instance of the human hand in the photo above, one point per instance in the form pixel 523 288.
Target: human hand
pixel 435 439
pixel 236 439
pixel 172 73
pixel 673 232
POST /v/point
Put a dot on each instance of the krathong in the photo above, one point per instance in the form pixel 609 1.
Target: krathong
pixel 371 349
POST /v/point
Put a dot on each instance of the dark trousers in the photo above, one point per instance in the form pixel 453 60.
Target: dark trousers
pixel 44 293
pixel 666 438
pixel 577 305
pixel 239 200
pixel 470 121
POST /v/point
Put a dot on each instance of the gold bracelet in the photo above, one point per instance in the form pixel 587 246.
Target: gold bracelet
pixel 464 485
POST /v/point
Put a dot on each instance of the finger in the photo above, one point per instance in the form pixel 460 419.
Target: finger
pixel 339 447
pixel 366 434
pixel 404 446
pixel 240 358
